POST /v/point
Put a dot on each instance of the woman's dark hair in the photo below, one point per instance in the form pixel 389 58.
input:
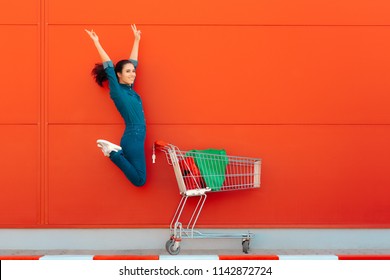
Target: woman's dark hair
pixel 100 75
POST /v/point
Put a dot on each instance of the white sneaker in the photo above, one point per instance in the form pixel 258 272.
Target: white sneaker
pixel 107 147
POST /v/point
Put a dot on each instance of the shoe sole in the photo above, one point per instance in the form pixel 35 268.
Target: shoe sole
pixel 109 143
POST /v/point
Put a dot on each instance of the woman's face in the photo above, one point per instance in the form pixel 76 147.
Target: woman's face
pixel 127 76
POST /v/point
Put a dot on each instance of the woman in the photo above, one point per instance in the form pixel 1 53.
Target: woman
pixel 130 155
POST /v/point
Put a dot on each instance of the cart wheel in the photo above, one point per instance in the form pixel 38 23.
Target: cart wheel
pixel 169 246
pixel 245 246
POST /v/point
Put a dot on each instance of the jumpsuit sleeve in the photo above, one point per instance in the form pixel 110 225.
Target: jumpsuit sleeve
pixel 112 79
pixel 135 63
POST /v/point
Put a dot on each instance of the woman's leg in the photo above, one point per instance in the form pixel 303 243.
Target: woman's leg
pixel 131 159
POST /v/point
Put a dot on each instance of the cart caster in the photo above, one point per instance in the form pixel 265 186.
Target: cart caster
pixel 170 247
pixel 245 246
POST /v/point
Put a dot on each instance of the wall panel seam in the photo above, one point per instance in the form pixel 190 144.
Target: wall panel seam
pixel 220 25
pixel 42 115
pixel 224 124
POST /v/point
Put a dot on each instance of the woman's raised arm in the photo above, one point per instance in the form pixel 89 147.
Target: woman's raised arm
pixel 137 38
pixel 103 55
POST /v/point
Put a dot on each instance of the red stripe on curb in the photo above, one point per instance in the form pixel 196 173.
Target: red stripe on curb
pixel 222 257
pixel 364 257
pixel 249 257
pixel 7 258
pixel 125 257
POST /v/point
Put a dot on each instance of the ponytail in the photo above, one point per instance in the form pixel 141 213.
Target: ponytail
pixel 99 74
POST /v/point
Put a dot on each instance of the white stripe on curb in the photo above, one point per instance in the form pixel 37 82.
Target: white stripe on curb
pixel 189 257
pixel 308 257
pixel 66 257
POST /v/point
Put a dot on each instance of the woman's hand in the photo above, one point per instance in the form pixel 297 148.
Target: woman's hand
pixel 137 38
pixel 103 55
pixel 93 35
pixel 137 33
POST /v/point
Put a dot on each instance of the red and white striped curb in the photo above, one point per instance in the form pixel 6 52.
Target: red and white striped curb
pixel 197 257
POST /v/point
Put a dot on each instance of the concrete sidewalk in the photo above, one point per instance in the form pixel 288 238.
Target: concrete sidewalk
pixel 298 254
pixel 150 243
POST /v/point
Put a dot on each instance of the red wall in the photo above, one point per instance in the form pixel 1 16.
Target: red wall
pixel 304 85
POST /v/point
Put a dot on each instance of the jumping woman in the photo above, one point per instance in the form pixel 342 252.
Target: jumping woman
pixel 130 155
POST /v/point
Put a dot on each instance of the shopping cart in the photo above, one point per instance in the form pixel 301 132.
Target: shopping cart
pixel 200 172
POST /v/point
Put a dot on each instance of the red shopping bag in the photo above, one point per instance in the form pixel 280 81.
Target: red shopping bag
pixel 191 174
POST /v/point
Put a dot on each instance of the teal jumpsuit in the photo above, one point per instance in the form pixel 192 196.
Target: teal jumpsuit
pixel 131 159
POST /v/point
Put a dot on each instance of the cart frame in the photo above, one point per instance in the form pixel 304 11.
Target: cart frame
pixel 245 176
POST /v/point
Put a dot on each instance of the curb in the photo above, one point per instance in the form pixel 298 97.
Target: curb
pixel 198 257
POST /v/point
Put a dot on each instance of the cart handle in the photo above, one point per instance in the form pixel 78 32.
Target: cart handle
pixel 160 144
